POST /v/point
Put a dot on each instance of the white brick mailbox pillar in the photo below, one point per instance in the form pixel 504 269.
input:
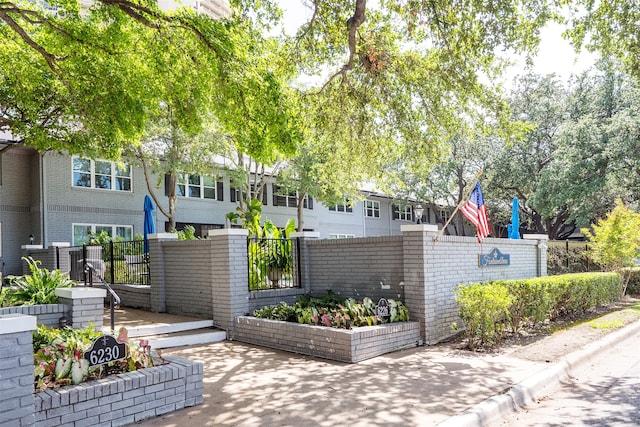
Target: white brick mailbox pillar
pixel 86 305
pixel 16 370
pixel 230 284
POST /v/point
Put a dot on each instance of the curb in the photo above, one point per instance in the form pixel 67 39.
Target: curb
pixel 523 393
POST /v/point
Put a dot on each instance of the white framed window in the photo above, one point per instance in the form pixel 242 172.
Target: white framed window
pixel 344 207
pixel 291 199
pixel 101 174
pixel 403 214
pixel 341 236
pixel 82 232
pixel 196 186
pixel 371 209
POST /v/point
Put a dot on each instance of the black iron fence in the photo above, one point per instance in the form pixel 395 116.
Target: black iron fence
pixel 273 263
pixel 116 262
pixel 565 256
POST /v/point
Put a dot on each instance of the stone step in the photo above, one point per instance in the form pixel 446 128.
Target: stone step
pixel 164 328
pixel 186 338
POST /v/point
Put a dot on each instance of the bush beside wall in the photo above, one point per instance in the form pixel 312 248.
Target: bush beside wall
pixel 486 308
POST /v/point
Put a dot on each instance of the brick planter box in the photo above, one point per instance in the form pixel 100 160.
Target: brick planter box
pixel 47 314
pixel 344 345
pixel 124 398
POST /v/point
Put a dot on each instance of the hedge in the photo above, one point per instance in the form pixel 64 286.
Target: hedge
pixel 486 308
pixel 633 287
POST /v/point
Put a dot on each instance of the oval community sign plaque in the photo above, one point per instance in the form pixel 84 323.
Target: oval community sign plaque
pixel 105 349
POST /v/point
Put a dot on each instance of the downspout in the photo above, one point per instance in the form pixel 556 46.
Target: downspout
pixel 43 202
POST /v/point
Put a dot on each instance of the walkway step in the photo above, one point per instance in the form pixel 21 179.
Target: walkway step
pixel 186 338
pixel 166 328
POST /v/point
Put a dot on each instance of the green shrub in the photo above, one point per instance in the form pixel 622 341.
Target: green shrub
pixel 38 287
pixel 531 303
pixel 484 308
pixel 573 294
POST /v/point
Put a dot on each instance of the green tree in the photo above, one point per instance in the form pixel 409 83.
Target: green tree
pixel 168 151
pixel 518 169
pixel 614 242
pixel 413 76
pixel 610 27
pixel 88 80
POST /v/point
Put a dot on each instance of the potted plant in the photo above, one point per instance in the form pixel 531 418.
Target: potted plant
pixel 278 258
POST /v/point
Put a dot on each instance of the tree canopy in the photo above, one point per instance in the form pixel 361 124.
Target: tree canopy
pixel 89 79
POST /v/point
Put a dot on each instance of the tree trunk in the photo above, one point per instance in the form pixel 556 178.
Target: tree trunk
pixel 300 212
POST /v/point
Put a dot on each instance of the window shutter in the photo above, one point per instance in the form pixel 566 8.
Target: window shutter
pixel 232 196
pixel 264 196
pixel 428 210
pixel 310 202
pixel 274 190
pixel 396 214
pixel 220 191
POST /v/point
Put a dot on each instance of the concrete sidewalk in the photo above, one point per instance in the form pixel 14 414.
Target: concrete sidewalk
pixel 246 385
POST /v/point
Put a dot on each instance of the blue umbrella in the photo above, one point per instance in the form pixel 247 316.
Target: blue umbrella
pixel 149 224
pixel 514 227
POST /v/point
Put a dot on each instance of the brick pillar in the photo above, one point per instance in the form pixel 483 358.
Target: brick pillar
pixel 303 238
pixel 157 281
pixel 417 251
pixel 230 284
pixel 541 254
pixel 16 370
pixel 87 305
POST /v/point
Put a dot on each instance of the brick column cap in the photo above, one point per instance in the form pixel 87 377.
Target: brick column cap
pixel 163 236
pixel 535 237
pixel 29 247
pixel 80 292
pixel 60 244
pixel 305 234
pixel 228 232
pixel 16 322
pixel 432 228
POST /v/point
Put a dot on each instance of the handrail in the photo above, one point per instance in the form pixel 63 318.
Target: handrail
pixel 114 299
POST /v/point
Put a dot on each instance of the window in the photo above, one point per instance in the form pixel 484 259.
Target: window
pixel 82 232
pixel 371 209
pixel 402 214
pixel 236 194
pixel 444 214
pixel 198 187
pixel 101 174
pixel 291 199
pixel 345 207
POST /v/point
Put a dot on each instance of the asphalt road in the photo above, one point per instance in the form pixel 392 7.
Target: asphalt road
pixel 605 391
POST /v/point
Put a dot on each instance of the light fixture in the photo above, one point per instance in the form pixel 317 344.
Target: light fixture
pixel 31 239
pixel 418 210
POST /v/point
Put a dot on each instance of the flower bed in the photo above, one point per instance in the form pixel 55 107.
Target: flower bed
pixel 344 345
pixel 124 398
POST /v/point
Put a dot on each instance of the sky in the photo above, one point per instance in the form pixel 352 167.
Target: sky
pixel 555 54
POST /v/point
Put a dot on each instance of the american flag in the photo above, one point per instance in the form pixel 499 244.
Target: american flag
pixel 476 212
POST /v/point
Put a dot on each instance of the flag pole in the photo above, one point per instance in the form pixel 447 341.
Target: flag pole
pixel 462 201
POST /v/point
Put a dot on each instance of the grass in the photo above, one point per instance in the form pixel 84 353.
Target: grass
pixel 617 318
